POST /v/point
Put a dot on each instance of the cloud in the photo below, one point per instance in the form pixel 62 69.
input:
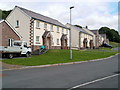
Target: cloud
pixel 93 14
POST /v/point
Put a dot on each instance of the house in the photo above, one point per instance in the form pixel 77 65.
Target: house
pixel 8 34
pixel 91 33
pixel 100 38
pixel 80 38
pixel 105 40
pixel 39 30
pixel 97 37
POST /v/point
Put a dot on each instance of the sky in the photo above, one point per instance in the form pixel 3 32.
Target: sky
pixel 94 13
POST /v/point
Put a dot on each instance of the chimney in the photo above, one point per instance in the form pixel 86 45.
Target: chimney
pixel 86 27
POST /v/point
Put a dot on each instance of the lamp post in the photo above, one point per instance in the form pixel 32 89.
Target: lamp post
pixel 70 35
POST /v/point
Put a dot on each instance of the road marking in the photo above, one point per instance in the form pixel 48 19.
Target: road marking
pixel 93 81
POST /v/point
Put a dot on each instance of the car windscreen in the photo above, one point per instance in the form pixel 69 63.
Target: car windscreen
pixel 17 43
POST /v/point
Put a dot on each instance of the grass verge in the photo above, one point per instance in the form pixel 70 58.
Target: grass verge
pixel 114 44
pixel 60 56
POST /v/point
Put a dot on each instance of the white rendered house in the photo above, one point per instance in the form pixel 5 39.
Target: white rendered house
pixel 39 30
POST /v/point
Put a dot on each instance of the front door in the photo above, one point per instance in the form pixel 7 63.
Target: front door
pixel 48 43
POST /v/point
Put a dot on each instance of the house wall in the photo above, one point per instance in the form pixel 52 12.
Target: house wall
pixel 24 23
pixel 75 38
pixel 83 36
pixel 55 35
pixel 94 36
pixel 78 37
pixel 25 27
pixel 7 33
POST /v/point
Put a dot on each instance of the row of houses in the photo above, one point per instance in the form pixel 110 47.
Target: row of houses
pixel 38 30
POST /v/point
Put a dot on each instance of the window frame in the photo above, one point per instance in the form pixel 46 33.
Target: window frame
pixel 37 39
pixel 58 41
pixel 17 23
pixel 58 29
pixel 66 31
pixel 51 27
pixel 62 30
pixel 37 24
pixel 45 26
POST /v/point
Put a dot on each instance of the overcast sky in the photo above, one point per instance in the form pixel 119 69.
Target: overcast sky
pixel 93 14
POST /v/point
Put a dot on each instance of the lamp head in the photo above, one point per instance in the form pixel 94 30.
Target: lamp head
pixel 71 7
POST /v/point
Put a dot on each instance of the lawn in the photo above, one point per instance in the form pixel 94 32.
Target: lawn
pixel 61 56
pixel 114 44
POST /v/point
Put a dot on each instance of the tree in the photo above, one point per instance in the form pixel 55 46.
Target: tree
pixel 111 34
pixel 4 14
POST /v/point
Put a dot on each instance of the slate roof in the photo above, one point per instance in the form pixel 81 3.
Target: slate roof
pixel 41 17
pixel 79 29
pixel 45 34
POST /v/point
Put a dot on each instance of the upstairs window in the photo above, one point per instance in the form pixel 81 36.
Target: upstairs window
pixel 66 31
pixel 17 23
pixel 62 30
pixel 37 24
pixel 45 26
pixel 51 28
pixel 57 28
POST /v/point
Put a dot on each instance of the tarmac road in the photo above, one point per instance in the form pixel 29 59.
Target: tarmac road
pixel 66 76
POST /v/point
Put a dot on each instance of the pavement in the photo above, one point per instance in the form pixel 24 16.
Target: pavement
pixel 101 73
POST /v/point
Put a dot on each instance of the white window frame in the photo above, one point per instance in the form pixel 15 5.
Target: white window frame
pixel 66 31
pixel 45 26
pixel 17 23
pixel 37 38
pixel 57 29
pixel 51 28
pixel 58 42
pixel 62 30
pixel 10 42
pixel 37 24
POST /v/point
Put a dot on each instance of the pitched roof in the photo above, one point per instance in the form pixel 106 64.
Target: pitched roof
pixel 77 28
pixel 41 17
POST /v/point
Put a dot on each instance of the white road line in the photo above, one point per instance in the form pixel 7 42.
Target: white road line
pixel 93 81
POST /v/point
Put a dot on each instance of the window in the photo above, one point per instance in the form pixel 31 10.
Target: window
pixel 51 29
pixel 66 31
pixel 10 42
pixel 37 24
pixel 57 41
pixel 25 44
pixel 62 30
pixel 57 29
pixel 17 23
pixel 37 38
pixel 45 26
pixel 17 43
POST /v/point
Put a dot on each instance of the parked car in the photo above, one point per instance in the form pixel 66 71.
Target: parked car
pixel 106 45
pixel 18 48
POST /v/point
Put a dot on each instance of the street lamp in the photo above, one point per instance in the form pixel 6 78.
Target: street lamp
pixel 70 35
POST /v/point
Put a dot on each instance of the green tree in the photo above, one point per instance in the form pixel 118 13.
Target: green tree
pixel 4 13
pixel 112 34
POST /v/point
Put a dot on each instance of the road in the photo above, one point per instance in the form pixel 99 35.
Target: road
pixel 66 76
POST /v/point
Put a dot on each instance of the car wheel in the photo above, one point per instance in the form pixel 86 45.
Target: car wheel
pixel 10 56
